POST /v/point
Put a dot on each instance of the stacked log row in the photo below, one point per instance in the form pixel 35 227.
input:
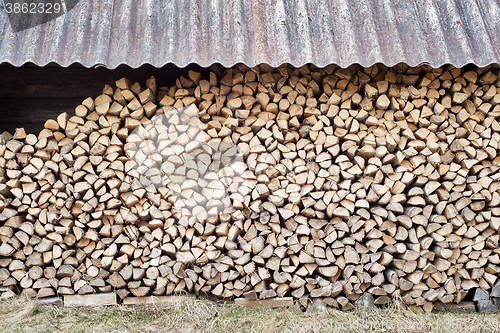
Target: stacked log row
pixel 307 182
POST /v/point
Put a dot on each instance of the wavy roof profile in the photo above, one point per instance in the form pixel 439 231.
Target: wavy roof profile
pixel 114 32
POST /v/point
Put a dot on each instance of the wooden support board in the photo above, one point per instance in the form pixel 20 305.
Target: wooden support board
pixel 156 300
pixel 52 301
pixel 455 307
pixel 278 302
pixel 90 300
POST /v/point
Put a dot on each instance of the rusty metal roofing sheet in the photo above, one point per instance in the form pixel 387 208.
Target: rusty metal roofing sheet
pixel 114 32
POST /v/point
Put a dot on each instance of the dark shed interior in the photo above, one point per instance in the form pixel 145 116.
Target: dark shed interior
pixel 29 95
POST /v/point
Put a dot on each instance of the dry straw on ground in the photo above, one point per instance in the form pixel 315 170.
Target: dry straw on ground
pixel 21 315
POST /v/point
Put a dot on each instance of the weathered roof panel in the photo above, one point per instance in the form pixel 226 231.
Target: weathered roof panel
pixel 114 32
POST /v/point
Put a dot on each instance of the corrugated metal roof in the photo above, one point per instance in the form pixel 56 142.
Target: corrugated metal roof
pixel 114 32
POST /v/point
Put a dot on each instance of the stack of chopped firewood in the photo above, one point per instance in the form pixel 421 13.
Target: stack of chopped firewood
pixel 262 182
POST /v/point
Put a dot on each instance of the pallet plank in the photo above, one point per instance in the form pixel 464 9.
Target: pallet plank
pixel 156 300
pixel 278 302
pixel 90 300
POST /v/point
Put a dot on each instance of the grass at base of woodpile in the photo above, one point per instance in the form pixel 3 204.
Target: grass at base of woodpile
pixel 21 315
